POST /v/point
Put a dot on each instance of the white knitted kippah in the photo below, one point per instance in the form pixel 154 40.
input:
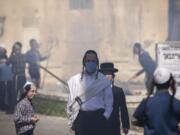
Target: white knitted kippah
pixel 161 75
pixel 27 83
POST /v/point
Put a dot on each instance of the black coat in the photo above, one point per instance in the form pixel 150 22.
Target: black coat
pixel 119 105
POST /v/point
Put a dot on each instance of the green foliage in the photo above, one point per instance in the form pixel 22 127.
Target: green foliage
pixel 49 107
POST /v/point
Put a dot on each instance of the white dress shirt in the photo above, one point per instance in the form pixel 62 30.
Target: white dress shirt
pixel 104 99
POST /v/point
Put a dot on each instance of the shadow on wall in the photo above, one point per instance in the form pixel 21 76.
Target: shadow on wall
pixel 2 22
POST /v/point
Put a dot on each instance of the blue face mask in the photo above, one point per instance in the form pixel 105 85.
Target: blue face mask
pixel 91 67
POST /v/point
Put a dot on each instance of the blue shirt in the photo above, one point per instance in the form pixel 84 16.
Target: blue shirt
pixel 159 119
pixel 147 63
pixel 33 57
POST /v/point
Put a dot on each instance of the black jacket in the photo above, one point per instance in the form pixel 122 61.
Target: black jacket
pixel 119 109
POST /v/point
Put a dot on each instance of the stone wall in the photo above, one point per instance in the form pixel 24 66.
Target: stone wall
pixel 71 27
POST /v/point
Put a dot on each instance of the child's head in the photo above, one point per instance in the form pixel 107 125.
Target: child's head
pixel 30 90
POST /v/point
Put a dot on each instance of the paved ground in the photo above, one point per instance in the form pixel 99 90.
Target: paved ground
pixel 46 126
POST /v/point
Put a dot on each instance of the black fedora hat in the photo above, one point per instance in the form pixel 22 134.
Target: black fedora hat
pixel 107 67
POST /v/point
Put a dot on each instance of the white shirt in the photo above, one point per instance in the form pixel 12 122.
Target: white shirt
pixel 177 95
pixel 103 99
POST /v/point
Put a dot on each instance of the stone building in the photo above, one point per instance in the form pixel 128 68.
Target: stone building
pixel 67 28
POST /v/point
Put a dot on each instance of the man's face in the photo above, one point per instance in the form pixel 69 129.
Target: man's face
pixel 91 58
pixel 17 49
pixel 109 77
pixel 91 63
pixel 34 44
pixel 136 50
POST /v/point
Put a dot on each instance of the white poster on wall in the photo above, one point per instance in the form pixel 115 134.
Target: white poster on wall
pixel 168 56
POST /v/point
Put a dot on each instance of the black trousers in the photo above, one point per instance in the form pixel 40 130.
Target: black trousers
pixel 30 132
pixel 2 95
pixel 11 96
pixel 91 123
pixel 114 128
pixel 19 81
pixel 4 87
pixel 35 76
pixel 15 87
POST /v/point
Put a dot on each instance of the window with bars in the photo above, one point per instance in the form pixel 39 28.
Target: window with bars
pixel 81 4
pixel 174 20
